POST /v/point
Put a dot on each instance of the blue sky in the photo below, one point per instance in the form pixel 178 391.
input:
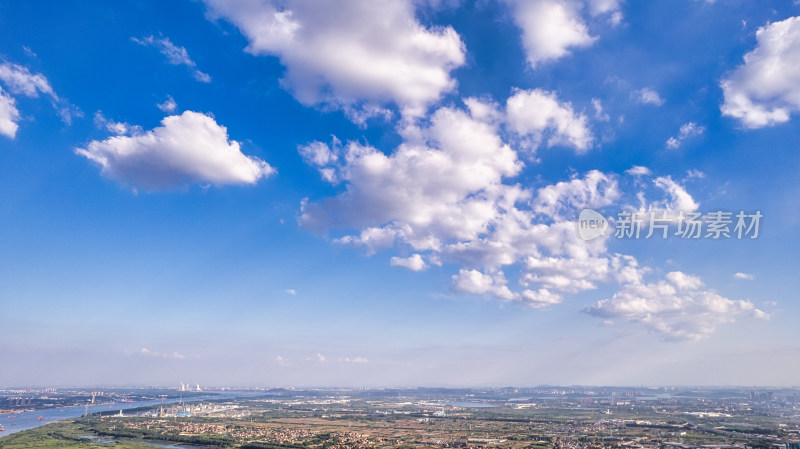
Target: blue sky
pixel 386 193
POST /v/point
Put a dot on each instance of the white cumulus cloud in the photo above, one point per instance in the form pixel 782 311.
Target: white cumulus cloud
pixel 357 55
pixel 444 188
pixel 413 263
pixel 185 149
pixel 678 308
pixel 566 274
pixel 447 194
pixel 550 28
pixel 537 299
pixel 442 193
pixel 765 90
pixel 538 117
pixel 477 283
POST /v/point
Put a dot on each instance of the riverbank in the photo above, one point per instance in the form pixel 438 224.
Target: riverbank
pixel 69 434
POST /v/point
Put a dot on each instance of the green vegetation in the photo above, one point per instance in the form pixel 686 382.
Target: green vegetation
pixel 62 435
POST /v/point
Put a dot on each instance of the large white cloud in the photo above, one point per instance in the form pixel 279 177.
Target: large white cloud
pixel 444 192
pixel 677 308
pixel 357 54
pixel 448 195
pixel 551 29
pixel 187 148
pixel 765 90
pixel 447 189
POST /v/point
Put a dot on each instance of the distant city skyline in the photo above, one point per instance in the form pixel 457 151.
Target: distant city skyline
pixel 386 193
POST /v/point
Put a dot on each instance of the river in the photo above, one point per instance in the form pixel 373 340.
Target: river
pixel 17 422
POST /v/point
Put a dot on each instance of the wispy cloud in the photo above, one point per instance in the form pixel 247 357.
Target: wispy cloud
pixel 168 105
pixel 19 80
pixel 687 130
pixel 175 55
pixel 638 170
pixel 165 355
